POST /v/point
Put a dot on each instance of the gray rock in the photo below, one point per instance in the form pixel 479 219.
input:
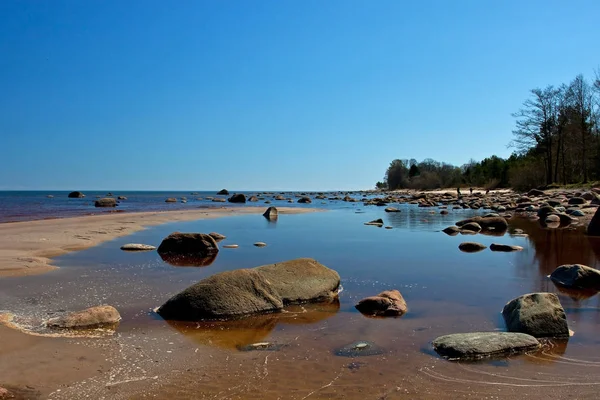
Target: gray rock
pixel 137 247
pixel 577 200
pixel 537 314
pixel 90 318
pixel 260 244
pixel 504 247
pixel 246 291
pixel 106 202
pixel 576 276
pixel 477 345
pixel 471 247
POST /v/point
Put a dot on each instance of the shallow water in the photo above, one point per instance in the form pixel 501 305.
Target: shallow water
pixel 447 291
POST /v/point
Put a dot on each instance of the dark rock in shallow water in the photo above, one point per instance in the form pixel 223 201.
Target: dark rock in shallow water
pixel 376 222
pixel 217 236
pixel 471 227
pixel 593 228
pixel 171 200
pixel 76 195
pixel 537 314
pixel 477 345
pixel 359 348
pixel 451 230
pixel 237 198
pixel 193 244
pixel 223 192
pixel 504 247
pixel 389 303
pixel 106 202
pixel 496 223
pixel 271 214
pixel 91 318
pixel 188 260
pixel 304 200
pixel 247 291
pixel 391 210
pixel 576 276
pixel 471 247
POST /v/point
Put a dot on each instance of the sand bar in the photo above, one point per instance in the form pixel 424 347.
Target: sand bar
pixel 26 248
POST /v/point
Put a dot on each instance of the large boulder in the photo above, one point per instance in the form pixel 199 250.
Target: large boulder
pixel 593 228
pixel 537 314
pixel 385 304
pixel 495 223
pixel 196 244
pixel 106 202
pixel 90 318
pixel 576 276
pixel 271 214
pixel 223 192
pixel 76 195
pixel 246 291
pixel 476 345
pixel 237 198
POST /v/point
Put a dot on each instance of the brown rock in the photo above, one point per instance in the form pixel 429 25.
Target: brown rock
pixel 90 318
pixel 106 202
pixel 197 244
pixel 385 304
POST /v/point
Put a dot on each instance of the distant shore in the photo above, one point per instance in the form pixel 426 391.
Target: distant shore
pixel 27 248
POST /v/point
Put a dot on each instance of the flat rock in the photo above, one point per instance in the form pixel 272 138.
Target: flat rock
pixel 487 223
pixel 137 247
pixel 577 276
pixel 260 244
pixel 471 247
pixel 230 246
pixel 476 345
pixel 471 226
pixel 537 314
pixel 90 318
pixel 359 348
pixel 391 210
pixel 504 247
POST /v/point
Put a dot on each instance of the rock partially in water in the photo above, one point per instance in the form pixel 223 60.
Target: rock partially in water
pixel 230 246
pixel 192 244
pixel 537 314
pixel 391 210
pixel 106 202
pixel 304 200
pixel 260 244
pixel 471 227
pixel 451 230
pixel 471 247
pixel 359 348
pixel 375 222
pixel 90 318
pixel 389 303
pixel 218 200
pixel 477 345
pixel 504 247
pixel 271 214
pixel 223 192
pixel 257 290
pixel 137 247
pixel 577 276
pixel 171 200
pixel 495 223
pixel 122 198
pixel 593 228
pixel 217 236
pixel 76 195
pixel 253 199
pixel 237 198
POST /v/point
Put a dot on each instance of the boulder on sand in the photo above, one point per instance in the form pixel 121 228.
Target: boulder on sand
pixel 271 214
pixel 389 303
pixel 495 223
pixel 593 228
pixel 576 276
pixel 76 195
pixel 471 247
pixel 106 202
pixel 477 345
pixel 241 292
pixel 90 318
pixel 537 314
pixel 197 244
pixel 237 198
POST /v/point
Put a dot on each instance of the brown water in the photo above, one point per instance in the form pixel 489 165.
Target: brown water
pixel 447 291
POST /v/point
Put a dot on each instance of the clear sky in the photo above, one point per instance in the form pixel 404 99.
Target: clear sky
pixel 292 94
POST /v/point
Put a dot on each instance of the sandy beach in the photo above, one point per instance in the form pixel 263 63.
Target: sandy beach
pixel 26 248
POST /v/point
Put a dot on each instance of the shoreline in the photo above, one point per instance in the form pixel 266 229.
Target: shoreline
pixel 27 247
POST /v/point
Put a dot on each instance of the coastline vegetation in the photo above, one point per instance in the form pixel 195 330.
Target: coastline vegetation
pixel 556 142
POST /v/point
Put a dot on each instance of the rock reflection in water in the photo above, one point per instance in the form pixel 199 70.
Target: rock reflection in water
pixel 235 334
pixel 185 260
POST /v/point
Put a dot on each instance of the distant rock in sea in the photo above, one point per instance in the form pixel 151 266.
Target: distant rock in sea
pixel 76 195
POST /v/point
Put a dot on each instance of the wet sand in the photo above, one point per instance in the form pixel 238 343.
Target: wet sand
pixel 26 248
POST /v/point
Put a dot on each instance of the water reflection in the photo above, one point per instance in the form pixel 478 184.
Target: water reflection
pixel 238 333
pixel 187 260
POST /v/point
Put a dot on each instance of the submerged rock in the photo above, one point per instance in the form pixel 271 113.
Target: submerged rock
pixel 76 195
pixel 359 348
pixel 193 244
pixel 537 314
pixel 471 247
pixel 476 345
pixel 576 276
pixel 90 318
pixel 257 290
pixel 106 202
pixel 137 247
pixel 271 214
pixel 504 247
pixel 389 303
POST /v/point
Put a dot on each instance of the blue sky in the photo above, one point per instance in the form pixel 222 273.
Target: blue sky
pixel 306 95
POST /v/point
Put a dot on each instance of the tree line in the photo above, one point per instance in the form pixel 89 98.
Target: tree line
pixel 556 140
